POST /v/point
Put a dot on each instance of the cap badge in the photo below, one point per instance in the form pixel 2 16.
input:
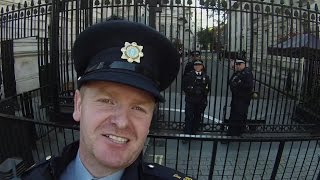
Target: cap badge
pixel 132 52
pixel 187 178
pixel 177 176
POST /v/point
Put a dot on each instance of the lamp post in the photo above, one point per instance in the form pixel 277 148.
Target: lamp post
pixel 180 26
pixel 152 13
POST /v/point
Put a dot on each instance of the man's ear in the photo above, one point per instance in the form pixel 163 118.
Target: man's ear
pixel 77 106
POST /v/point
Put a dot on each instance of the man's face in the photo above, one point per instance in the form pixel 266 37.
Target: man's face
pixel 237 66
pixel 196 57
pixel 198 67
pixel 114 123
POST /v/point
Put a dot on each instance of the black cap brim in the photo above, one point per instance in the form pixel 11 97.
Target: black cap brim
pixel 124 77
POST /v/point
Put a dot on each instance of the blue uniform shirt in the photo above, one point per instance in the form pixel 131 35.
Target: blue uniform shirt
pixel 76 170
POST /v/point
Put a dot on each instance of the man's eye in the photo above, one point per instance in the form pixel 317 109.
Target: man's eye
pixel 107 101
pixel 139 109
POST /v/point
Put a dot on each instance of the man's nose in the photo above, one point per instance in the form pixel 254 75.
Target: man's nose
pixel 120 117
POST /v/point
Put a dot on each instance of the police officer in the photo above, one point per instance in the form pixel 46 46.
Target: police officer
pixel 120 78
pixel 196 85
pixel 195 55
pixel 241 85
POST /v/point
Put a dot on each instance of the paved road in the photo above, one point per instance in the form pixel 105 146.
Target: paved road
pixel 273 111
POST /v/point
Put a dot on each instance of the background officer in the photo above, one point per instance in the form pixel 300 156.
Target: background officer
pixel 196 85
pixel 194 55
pixel 241 85
pixel 120 78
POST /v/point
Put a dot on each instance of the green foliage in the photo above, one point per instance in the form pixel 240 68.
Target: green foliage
pixel 205 38
pixel 212 38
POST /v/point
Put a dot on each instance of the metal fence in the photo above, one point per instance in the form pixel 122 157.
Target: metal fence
pixel 286 71
pixel 278 38
pixel 38 105
pixel 202 157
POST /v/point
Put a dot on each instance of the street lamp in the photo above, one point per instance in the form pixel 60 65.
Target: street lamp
pixel 181 21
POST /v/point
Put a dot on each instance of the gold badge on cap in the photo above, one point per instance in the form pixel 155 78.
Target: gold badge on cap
pixel 177 176
pixel 187 178
pixel 132 52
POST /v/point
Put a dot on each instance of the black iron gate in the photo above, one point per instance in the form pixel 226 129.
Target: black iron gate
pixel 217 28
pixel 9 81
pixel 284 79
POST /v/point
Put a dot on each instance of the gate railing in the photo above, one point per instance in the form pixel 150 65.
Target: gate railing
pixel 286 78
pixel 199 156
pixel 38 105
pixel 37 123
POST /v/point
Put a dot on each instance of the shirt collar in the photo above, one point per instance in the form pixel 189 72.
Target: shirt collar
pixel 79 171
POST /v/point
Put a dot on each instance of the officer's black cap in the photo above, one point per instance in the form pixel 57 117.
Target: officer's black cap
pixel 195 53
pixel 110 51
pixel 240 60
pixel 198 62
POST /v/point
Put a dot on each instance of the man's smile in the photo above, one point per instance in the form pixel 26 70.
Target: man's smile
pixel 117 139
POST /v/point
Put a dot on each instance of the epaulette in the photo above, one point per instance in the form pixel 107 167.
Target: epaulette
pixel 36 166
pixel 163 172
